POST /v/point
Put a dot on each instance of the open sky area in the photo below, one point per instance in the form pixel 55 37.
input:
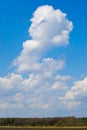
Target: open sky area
pixel 43 58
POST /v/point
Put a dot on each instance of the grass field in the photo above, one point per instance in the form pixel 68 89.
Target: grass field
pixel 43 128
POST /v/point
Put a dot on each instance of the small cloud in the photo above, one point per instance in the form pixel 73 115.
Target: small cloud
pixel 73 97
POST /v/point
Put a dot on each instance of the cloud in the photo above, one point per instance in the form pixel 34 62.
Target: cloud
pixel 37 92
pixel 10 81
pixel 36 86
pixel 79 88
pixel 40 92
pixel 76 94
pixel 49 28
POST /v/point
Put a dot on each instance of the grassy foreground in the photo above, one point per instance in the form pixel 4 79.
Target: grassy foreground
pixel 44 127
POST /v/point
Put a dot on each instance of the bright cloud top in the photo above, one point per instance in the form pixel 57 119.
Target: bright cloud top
pixel 49 28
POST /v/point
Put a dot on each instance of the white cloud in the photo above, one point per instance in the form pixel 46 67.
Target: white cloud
pixel 37 85
pixel 59 85
pixel 34 92
pixel 70 104
pixel 40 93
pixel 49 28
pixel 79 89
pixel 10 81
pixel 75 94
pixel 62 78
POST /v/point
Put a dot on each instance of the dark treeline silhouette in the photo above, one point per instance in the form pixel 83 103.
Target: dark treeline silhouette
pixel 56 121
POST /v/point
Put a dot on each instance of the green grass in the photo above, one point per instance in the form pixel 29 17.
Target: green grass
pixel 44 127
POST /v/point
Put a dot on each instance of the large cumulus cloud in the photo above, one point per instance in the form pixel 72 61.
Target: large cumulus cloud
pixel 49 27
pixel 36 86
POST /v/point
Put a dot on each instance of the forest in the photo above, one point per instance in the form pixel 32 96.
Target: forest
pixel 55 121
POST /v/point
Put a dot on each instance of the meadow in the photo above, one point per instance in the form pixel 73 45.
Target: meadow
pixel 43 129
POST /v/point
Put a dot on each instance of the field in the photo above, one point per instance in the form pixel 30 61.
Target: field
pixel 58 128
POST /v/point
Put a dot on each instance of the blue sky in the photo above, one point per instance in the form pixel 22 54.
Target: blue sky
pixel 67 79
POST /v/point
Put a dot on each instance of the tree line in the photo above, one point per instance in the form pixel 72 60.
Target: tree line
pixel 56 121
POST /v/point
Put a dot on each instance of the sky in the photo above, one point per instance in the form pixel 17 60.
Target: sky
pixel 43 58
